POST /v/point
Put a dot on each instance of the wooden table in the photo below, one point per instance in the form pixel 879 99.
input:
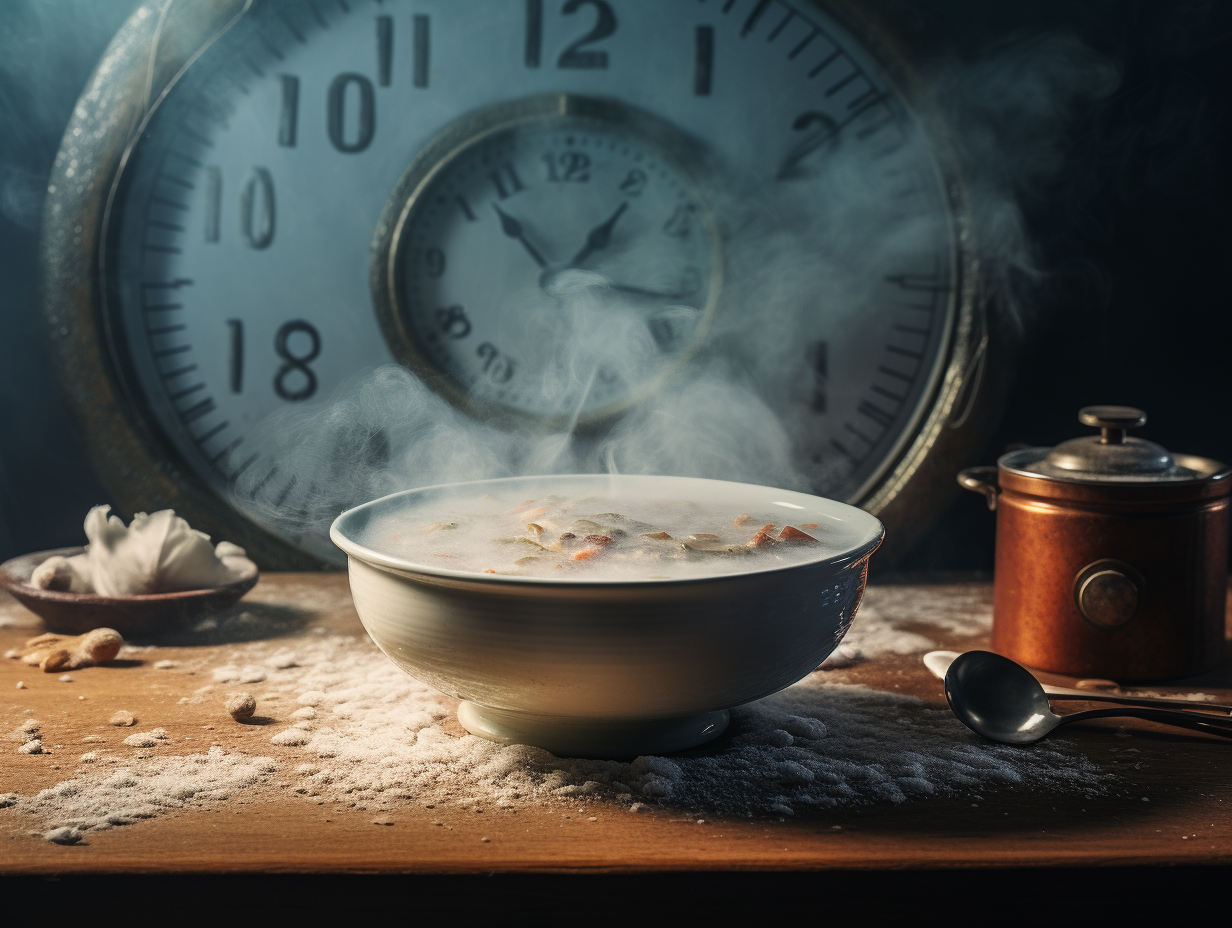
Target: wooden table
pixel 1187 820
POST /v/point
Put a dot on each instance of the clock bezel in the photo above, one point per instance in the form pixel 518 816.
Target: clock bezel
pixel 142 470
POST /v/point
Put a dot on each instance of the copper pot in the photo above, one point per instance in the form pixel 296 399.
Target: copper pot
pixel 1111 556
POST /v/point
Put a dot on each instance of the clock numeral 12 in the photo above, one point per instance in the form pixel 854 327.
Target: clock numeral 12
pixel 576 55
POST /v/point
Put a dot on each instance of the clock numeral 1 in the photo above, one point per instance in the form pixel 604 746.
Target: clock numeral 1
pixel 213 202
pixel 288 117
pixel 819 361
pixel 366 123
pixel 421 54
pixel 703 66
pixel 534 32
pixel 498 180
pixel 236 365
pixel 384 49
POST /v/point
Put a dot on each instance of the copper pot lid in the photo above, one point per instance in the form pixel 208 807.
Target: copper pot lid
pixel 1111 456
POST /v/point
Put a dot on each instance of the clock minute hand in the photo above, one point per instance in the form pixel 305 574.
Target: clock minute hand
pixel 599 237
pixel 655 294
pixel 513 229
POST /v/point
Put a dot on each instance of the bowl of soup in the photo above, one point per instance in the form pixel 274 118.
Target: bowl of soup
pixel 605 616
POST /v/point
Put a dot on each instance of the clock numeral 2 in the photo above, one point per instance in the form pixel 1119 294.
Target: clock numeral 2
pixel 575 55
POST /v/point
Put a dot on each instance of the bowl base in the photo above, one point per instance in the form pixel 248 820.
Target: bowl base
pixel 571 737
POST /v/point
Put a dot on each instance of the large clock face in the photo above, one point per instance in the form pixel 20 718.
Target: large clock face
pixel 549 210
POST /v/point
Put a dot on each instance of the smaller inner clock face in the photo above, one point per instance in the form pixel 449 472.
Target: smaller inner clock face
pixel 559 265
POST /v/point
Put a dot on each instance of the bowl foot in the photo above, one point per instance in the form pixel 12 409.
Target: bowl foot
pixel 571 737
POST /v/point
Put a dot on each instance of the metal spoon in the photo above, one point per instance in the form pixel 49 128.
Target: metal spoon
pixel 1002 701
pixel 939 663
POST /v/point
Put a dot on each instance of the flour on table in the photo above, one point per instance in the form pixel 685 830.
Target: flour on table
pixel 355 730
pixel 957 609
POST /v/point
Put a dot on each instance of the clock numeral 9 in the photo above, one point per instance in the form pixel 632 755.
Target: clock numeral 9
pixel 498 367
pixel 573 166
pixel 575 56
pixel 434 261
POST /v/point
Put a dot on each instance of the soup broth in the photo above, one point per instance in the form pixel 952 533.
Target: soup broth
pixel 598 537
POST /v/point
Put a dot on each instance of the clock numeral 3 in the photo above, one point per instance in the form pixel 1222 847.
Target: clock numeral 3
pixel 296 363
pixel 576 55
pixel 497 366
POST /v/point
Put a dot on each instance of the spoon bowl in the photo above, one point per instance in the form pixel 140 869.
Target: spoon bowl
pixel 1002 701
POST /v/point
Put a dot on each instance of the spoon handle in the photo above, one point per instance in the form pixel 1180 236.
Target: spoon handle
pixel 1064 693
pixel 1211 724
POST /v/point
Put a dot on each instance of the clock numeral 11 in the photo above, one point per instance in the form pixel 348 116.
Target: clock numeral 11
pixel 498 180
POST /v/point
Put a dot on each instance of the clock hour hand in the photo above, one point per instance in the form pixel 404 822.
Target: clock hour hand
pixel 599 237
pixel 513 229
pixel 654 294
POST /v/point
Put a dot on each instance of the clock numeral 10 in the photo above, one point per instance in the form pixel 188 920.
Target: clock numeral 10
pixel 257 210
pixel 576 55
pixel 351 140
pixel 294 379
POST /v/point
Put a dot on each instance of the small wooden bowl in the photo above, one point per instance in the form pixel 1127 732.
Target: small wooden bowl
pixel 131 616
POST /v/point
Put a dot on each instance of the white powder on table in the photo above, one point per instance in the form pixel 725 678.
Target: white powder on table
pixel 356 730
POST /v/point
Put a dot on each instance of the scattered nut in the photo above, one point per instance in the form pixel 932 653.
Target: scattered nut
pixel 53 652
pixel 21 685
pixel 123 719
pixel 241 706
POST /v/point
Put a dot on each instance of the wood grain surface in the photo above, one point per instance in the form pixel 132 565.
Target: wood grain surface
pixel 1187 817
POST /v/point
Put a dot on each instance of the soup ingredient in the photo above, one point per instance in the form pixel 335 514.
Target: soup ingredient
pixel 241 706
pixel 53 652
pixel 158 553
pixel 597 537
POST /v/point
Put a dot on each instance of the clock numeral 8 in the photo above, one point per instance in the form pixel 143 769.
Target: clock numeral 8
pixel 296 362
pixel 453 321
pixel 498 367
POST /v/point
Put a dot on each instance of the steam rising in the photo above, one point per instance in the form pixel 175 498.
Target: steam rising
pixel 796 259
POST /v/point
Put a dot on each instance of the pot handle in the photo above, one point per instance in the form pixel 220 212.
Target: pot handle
pixel 981 480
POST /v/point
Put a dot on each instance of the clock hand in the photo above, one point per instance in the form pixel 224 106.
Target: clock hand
pixel 599 237
pixel 657 294
pixel 513 229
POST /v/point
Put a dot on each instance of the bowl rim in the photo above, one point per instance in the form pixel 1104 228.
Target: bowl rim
pixel 10 582
pixel 875 535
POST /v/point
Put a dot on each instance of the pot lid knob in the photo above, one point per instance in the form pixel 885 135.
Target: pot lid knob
pixel 1112 421
pixel 1112 455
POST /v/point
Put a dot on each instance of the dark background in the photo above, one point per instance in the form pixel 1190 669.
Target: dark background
pixel 1127 302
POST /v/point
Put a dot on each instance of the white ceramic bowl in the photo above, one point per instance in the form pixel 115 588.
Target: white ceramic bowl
pixel 610 668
